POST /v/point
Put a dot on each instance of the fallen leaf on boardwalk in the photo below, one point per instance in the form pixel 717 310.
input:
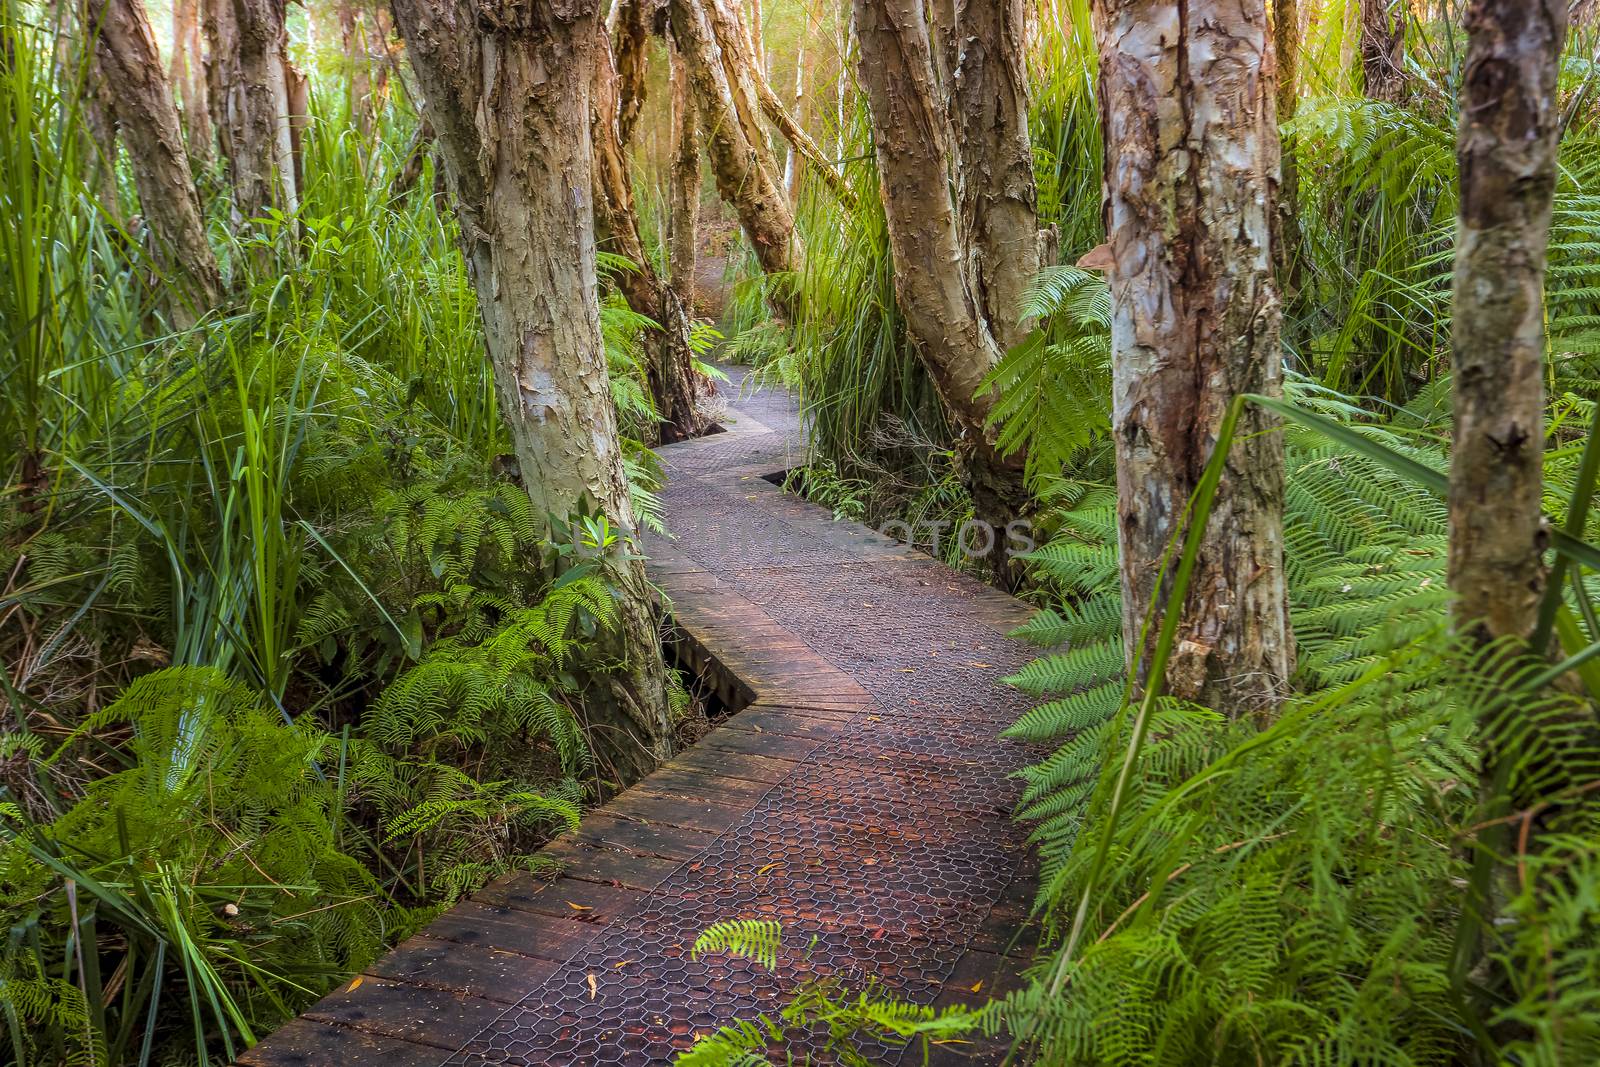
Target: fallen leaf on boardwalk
pixel 908 670
pixel 980 664
pixel 623 963
pixel 877 934
pixel 355 984
pixel 977 985
pixel 768 867
pixel 594 987
pixel 578 907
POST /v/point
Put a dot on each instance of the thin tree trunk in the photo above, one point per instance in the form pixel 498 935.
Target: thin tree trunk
pixel 1506 147
pixel 417 149
pixel 507 87
pixel 750 83
pixel 1191 172
pixel 998 199
pixel 258 106
pixel 791 169
pixel 742 166
pixel 683 224
pixel 125 50
pixel 934 286
pixel 358 54
pixel 1382 45
pixel 670 359
pixel 1286 46
pixel 188 80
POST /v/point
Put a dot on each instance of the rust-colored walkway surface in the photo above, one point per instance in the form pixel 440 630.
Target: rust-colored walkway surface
pixel 862 799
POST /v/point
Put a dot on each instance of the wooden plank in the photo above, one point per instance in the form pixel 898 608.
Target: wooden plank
pixel 607 865
pixel 675 810
pixel 407 1012
pixel 585 902
pixel 493 974
pixel 765 769
pixel 307 1042
pixel 546 936
pixel 649 839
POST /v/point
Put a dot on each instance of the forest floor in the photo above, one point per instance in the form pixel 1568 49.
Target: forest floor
pixel 862 798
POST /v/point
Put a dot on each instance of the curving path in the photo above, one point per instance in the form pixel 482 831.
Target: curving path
pixel 861 798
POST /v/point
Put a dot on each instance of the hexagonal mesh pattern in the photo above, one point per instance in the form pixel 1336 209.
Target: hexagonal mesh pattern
pixel 882 853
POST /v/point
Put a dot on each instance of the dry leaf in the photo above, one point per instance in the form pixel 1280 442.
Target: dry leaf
pixel 355 984
pixel 768 867
pixel 594 987
pixel 977 985
pixel 578 907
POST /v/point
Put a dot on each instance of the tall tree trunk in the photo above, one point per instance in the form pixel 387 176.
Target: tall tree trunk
pixel 628 25
pixel 1506 148
pixel 670 359
pixel 221 32
pixel 1191 172
pixel 258 106
pixel 1286 46
pixel 188 80
pixel 756 98
pixel 125 50
pixel 357 49
pixel 683 223
pixel 742 164
pixel 791 169
pixel 507 87
pixel 999 202
pixel 934 285
pixel 1382 45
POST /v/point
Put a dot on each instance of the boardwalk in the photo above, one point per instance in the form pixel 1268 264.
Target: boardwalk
pixel 861 798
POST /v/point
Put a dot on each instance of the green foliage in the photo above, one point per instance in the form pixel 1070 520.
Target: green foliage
pixel 750 939
pixel 309 665
pixel 844 1020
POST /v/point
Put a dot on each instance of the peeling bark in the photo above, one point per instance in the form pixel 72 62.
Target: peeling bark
pixel 628 25
pixel 507 87
pixel 670 359
pixel 258 108
pixel 998 199
pixel 1506 147
pixel 747 75
pixel 1186 97
pixel 683 225
pixel 1286 45
pixel 1382 46
pixel 125 51
pixel 188 81
pixel 742 165
pixel 934 286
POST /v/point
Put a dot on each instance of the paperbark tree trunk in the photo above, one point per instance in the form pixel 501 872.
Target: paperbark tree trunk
pixel 125 51
pixel 742 164
pixel 683 223
pixel 354 38
pixel 747 76
pixel 999 202
pixel 1506 147
pixel 934 284
pixel 507 87
pixel 1191 172
pixel 791 167
pixel 669 356
pixel 258 106
pixel 629 29
pixel 188 81
pixel 220 29
pixel 1286 46
pixel 1382 45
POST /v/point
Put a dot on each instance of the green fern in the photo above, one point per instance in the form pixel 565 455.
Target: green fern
pixel 751 939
